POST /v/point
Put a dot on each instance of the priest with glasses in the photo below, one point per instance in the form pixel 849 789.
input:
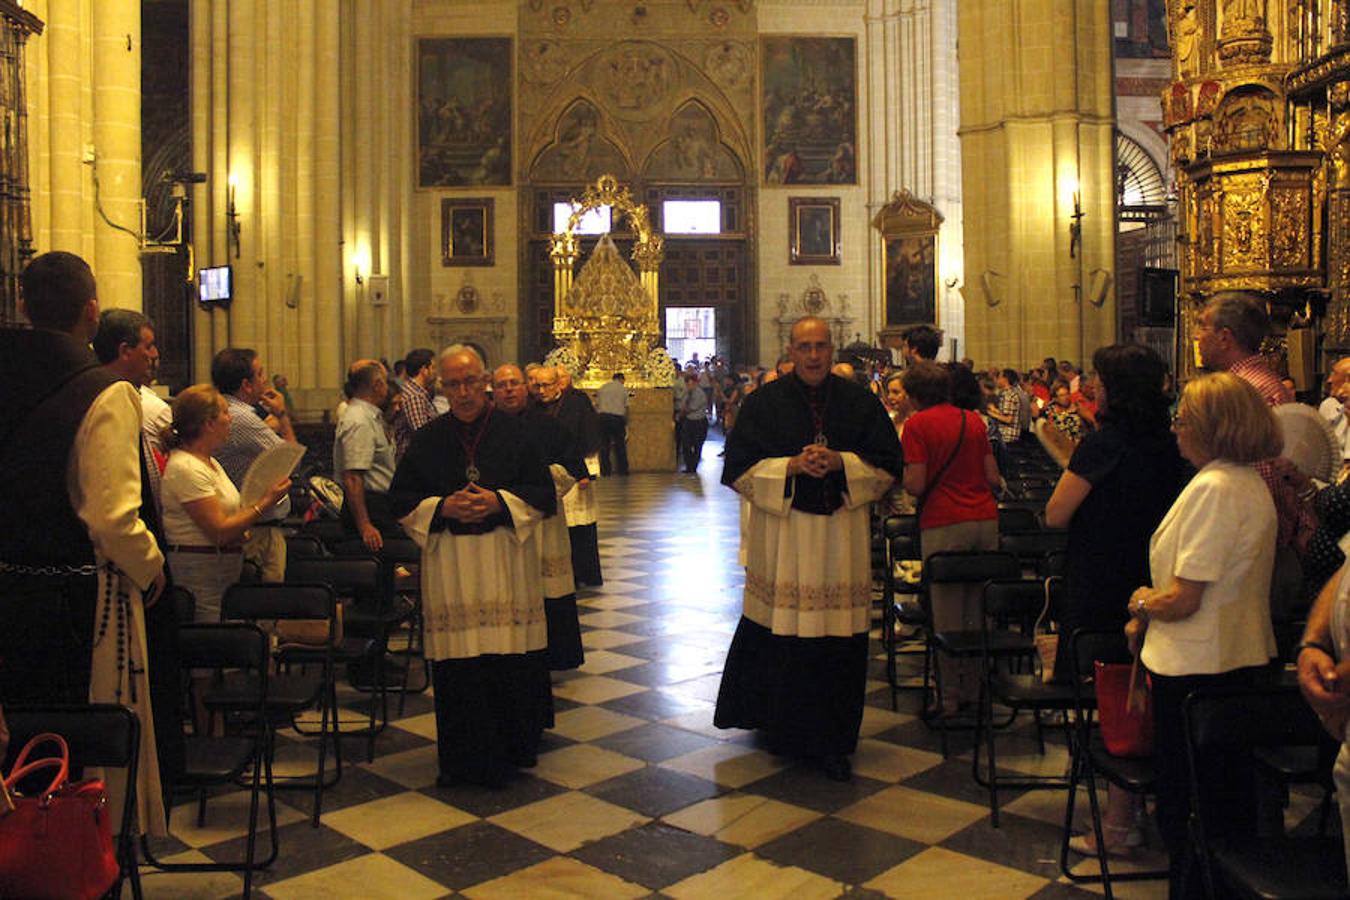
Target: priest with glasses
pixel 472 491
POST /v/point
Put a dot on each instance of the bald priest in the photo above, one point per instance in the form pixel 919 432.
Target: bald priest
pixel 810 452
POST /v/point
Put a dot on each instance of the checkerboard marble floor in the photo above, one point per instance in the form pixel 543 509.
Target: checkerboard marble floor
pixel 636 793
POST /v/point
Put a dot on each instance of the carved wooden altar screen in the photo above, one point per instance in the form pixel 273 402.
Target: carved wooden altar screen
pixel 16 229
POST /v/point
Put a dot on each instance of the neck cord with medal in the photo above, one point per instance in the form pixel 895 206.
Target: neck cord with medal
pixel 471 471
pixel 817 401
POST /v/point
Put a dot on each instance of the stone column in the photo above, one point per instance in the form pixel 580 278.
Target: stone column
pixel 910 53
pixel 267 113
pixel 1036 130
pixel 116 60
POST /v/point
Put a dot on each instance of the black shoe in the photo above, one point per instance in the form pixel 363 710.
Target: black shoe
pixel 836 767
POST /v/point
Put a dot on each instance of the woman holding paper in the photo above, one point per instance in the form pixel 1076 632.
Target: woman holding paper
pixel 204 524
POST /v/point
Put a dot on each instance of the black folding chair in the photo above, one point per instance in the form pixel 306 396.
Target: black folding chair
pixel 363 584
pixel 966 567
pixel 214 761
pixel 900 598
pixel 97 734
pixel 1017 520
pixel 1257 866
pixel 1090 758
pixel 289 694
pixel 1008 613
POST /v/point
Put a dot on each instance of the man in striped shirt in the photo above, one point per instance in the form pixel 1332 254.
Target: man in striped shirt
pixel 417 410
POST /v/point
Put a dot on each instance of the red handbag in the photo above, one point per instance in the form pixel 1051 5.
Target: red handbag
pixel 1124 709
pixel 57 844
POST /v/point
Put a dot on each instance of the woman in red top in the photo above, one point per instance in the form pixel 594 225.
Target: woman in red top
pixel 950 466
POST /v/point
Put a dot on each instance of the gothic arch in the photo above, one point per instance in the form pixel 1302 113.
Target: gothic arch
pixel 636 87
pixel 582 147
pixel 693 149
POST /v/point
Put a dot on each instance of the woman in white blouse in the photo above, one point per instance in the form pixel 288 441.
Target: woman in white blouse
pixel 203 523
pixel 1206 619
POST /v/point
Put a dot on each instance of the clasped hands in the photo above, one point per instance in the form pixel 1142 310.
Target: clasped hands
pixel 815 460
pixel 471 504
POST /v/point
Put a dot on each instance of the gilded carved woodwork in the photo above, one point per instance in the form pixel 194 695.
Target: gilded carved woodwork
pixel 16 225
pixel 1259 143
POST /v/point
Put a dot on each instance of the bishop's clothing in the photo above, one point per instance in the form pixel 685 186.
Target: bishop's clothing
pixel 574 410
pixel 798 662
pixel 558 449
pixel 482 594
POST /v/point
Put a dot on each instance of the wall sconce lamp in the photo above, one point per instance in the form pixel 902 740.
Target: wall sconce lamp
pixel 1075 227
pixel 359 279
pixel 232 215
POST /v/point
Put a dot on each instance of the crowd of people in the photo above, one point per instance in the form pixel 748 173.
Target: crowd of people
pixel 1185 516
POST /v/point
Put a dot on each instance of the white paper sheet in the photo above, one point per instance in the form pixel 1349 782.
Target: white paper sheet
pixel 267 469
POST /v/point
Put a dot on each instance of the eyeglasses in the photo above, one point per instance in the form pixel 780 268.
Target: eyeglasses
pixel 465 383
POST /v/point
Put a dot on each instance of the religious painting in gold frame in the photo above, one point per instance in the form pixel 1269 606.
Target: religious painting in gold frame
pixel 466 231
pixel 813 231
pixel 908 245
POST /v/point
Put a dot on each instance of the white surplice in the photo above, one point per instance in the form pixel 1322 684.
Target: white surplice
pixel 579 506
pixel 103 480
pixel 481 593
pixel 555 546
pixel 808 575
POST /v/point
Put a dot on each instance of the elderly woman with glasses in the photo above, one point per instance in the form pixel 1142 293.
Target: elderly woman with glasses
pixel 1205 622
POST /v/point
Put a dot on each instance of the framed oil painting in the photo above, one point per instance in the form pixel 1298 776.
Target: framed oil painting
pixel 911 279
pixel 466 231
pixel 464 112
pixel 813 231
pixel 810 110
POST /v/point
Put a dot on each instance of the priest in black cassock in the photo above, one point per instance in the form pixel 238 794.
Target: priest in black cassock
pixel 557 447
pixel 810 452
pixel 577 414
pixel 472 491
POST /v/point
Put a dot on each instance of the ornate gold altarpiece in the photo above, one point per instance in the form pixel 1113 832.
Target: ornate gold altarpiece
pixel 607 321
pixel 1258 115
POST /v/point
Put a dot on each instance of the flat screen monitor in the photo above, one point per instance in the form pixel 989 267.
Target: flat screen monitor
pixel 214 285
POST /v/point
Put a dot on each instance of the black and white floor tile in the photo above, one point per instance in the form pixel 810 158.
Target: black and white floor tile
pixel 636 793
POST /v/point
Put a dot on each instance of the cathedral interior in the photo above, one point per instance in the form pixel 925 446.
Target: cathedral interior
pixel 326 180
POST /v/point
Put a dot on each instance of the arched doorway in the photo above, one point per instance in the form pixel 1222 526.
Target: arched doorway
pixel 679 149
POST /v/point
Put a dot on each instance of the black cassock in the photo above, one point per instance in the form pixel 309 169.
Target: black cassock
pixel 558 446
pixel 806 693
pixel 577 414
pixel 492 708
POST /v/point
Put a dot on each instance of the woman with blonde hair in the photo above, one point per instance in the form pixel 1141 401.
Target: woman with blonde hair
pixel 1205 621
pixel 203 525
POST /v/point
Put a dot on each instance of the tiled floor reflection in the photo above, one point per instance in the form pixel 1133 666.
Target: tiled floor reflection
pixel 636 793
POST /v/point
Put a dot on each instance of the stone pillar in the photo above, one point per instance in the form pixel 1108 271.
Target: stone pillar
pixel 912 71
pixel 1036 131
pixel 85 104
pixel 267 114
pixel 117 146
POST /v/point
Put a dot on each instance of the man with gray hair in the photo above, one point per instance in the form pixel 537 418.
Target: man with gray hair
pixel 472 491
pixel 1229 333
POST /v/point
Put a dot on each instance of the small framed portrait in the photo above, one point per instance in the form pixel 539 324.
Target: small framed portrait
pixel 813 231
pixel 466 231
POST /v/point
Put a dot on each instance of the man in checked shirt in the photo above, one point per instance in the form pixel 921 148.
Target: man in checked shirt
pixel 420 375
